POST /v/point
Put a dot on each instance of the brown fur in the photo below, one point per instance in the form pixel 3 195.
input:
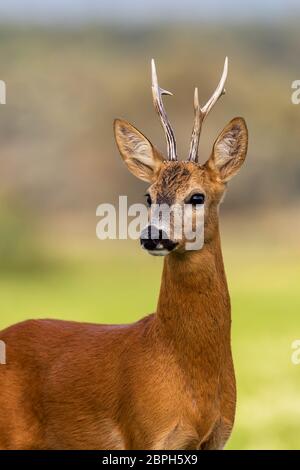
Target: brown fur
pixel 164 382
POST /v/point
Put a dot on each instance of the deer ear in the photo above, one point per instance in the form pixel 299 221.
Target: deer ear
pixel 141 158
pixel 230 149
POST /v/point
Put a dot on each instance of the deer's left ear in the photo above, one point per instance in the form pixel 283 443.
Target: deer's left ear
pixel 230 149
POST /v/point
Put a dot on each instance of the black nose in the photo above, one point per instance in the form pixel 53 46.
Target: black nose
pixel 153 238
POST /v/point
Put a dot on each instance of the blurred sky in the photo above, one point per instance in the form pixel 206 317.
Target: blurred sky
pixel 136 10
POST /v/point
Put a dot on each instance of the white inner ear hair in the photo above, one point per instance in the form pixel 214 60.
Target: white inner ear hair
pixel 138 148
pixel 228 146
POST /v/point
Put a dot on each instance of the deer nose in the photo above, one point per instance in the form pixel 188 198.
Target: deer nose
pixel 155 239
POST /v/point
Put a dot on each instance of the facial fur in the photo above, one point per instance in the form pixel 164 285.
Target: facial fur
pixel 177 181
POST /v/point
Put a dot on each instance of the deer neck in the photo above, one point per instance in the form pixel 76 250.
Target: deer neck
pixel 194 306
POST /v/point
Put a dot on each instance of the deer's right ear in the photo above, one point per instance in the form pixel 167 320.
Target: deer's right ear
pixel 230 149
pixel 141 158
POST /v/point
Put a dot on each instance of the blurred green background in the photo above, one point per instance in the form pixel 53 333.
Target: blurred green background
pixel 66 82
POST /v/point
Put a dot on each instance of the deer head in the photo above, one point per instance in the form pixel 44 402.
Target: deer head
pixel 188 182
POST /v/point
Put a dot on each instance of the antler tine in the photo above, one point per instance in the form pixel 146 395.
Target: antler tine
pixel 157 93
pixel 201 113
pixel 220 90
pixel 193 156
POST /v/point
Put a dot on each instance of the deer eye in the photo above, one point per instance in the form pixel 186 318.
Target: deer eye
pixel 148 200
pixel 197 199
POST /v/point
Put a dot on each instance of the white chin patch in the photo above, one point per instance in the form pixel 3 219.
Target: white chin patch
pixel 158 252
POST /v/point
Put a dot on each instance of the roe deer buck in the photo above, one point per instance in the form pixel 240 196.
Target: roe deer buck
pixel 166 381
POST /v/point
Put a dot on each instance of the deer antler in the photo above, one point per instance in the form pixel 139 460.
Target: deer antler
pixel 201 113
pixel 157 93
